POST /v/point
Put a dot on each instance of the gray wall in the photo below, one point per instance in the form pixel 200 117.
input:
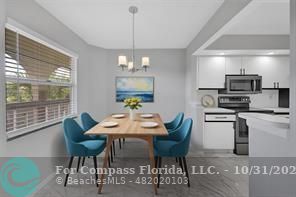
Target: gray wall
pixel 96 72
pixel 168 68
pixel 50 142
pixel 251 42
pixel 2 84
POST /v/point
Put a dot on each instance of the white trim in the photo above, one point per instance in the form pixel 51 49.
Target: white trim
pixel 25 31
pixel 22 131
pixel 74 84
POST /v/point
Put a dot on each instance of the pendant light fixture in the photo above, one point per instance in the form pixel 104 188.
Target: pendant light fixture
pixel 123 61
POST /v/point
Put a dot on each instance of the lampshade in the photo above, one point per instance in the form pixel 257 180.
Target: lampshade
pixel 122 60
pixel 130 65
pixel 145 61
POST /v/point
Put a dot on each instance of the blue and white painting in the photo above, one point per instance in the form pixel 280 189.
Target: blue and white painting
pixel 141 87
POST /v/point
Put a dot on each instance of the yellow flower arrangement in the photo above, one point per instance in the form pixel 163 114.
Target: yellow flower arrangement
pixel 132 103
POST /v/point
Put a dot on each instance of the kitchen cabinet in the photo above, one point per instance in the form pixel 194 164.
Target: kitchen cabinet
pixel 273 69
pixel 240 66
pixel 233 65
pixel 211 72
pixel 218 131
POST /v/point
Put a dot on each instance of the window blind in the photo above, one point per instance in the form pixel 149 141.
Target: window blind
pixel 39 83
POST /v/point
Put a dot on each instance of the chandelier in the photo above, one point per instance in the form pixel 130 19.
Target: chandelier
pixel 122 59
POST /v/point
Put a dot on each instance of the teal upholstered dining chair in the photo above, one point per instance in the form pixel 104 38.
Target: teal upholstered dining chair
pixel 171 126
pixel 177 146
pixel 174 124
pixel 80 145
pixel 88 122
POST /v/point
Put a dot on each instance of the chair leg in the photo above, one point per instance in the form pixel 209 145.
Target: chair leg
pixel 186 170
pixel 181 165
pixel 109 162
pixel 78 163
pixel 156 161
pixel 111 153
pixel 176 159
pixel 159 166
pixel 113 147
pixel 119 141
pixel 83 161
pixel 96 167
pixel 123 140
pixel 69 167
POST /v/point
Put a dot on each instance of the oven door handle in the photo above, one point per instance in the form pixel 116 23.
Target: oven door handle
pixel 254 86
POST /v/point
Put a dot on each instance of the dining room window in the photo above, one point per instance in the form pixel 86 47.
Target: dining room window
pixel 40 83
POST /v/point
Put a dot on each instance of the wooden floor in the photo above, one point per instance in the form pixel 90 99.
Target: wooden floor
pixel 134 154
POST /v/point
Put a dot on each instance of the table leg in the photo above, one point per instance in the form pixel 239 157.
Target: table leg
pixel 151 156
pixel 108 147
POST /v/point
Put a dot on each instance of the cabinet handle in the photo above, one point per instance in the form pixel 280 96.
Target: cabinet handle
pixel 220 117
pixel 278 84
pixel 274 85
pixel 240 70
pixel 244 71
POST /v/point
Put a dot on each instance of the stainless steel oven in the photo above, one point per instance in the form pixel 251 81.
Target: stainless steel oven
pixel 243 84
pixel 240 104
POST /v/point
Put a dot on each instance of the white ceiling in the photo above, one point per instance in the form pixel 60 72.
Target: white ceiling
pixel 159 23
pixel 263 17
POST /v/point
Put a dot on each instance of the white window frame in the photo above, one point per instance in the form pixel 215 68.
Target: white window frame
pixel 25 31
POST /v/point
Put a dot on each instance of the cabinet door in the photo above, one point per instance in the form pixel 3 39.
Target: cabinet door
pixel 218 135
pixel 233 65
pixel 271 68
pixel 283 71
pixel 211 72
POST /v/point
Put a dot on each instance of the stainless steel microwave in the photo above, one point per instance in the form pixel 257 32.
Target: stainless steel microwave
pixel 243 84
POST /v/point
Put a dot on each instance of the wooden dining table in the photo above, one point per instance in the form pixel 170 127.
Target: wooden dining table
pixel 127 128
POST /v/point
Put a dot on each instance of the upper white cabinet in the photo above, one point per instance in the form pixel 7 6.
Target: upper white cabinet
pixel 273 69
pixel 211 72
pixel 233 65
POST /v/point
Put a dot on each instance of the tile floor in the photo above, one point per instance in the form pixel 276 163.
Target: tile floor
pixel 135 153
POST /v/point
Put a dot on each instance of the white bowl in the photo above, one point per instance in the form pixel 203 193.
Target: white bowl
pixel 109 124
pixel 146 115
pixel 149 124
pixel 118 116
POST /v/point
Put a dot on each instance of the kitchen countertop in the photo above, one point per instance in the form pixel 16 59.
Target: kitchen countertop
pixel 218 110
pixel 275 125
pixel 279 110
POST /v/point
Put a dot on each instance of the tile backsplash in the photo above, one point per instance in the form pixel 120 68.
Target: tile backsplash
pixel 268 98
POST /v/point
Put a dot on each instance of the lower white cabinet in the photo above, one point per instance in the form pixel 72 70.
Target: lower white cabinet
pixel 218 132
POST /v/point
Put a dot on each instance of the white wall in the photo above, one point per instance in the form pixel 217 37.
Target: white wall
pixel 168 70
pixel 293 65
pixel 268 98
pixel 50 141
